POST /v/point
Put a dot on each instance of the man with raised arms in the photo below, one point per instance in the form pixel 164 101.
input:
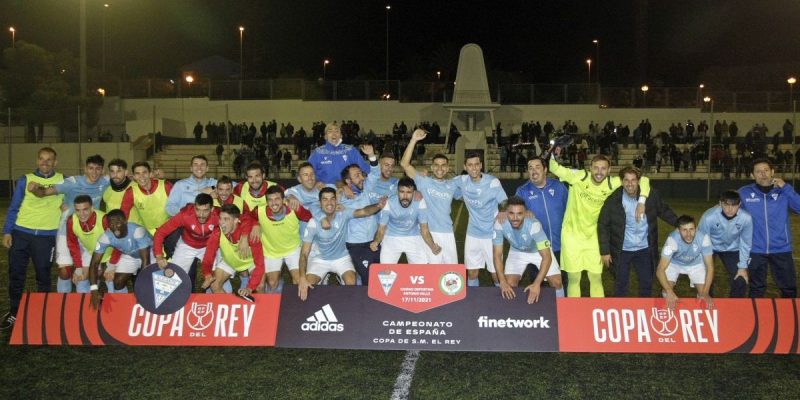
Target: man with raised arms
pixel 222 254
pixel 132 241
pixel 686 252
pixel 529 246
pixel 330 158
pixel 332 255
pixel 580 249
pixel 438 192
pixel 403 228
pixel 483 194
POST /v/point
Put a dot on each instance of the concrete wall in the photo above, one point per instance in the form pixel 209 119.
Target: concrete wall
pixel 380 115
pixel 71 156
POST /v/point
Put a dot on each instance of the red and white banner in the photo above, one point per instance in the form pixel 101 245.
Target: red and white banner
pixel 206 320
pixel 647 326
pixel 417 287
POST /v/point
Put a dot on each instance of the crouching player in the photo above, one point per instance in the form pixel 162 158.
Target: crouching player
pixel 529 246
pixel 687 253
pixel 229 262
pixel 328 233
pixel 132 241
pixel 83 229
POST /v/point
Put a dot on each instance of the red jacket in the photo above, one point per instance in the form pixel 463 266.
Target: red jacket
pixel 255 246
pixel 195 234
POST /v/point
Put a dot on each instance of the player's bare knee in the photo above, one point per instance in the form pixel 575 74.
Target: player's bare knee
pixel 473 273
pixel 349 278
pixel 555 281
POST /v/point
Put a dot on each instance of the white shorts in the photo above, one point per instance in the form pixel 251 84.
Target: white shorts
pixel 449 254
pixel 696 273
pixel 126 265
pixel 479 253
pixel 320 267
pixel 63 257
pixel 222 265
pixel 414 247
pixel 517 261
pixel 292 261
pixel 184 255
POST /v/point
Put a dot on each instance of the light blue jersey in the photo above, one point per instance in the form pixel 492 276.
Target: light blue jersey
pixel 482 199
pixel 137 238
pixel 438 197
pixel 529 238
pixel 685 254
pixel 309 200
pixel 735 234
pixel 362 230
pixel 330 242
pixel 185 191
pixel 403 221
pixel 635 231
pixel 75 186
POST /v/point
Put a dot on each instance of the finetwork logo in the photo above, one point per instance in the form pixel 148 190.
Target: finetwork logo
pixel 486 322
pixel 324 320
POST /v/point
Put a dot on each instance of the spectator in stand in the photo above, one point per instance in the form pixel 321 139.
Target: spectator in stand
pixel 287 160
pixel 219 150
pixel 788 129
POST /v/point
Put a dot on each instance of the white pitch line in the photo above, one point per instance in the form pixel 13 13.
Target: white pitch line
pixel 403 382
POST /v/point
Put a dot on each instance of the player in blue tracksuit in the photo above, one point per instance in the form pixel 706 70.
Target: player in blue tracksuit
pixel 731 233
pixel 331 158
pixel 547 199
pixel 769 200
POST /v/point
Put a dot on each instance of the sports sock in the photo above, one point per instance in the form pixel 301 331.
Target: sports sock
pixel 474 282
pixel 574 288
pixel 596 285
pixel 110 286
pixel 123 290
pixel 279 288
pixel 64 285
pixel 227 287
pixel 497 284
pixel 560 292
pixel 82 286
pixel 244 281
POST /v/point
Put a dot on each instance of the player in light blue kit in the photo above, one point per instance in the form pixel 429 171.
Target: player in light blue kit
pixel 92 183
pixel 438 193
pixel 731 231
pixel 686 252
pixel 332 255
pixel 529 246
pixel 132 241
pixel 306 193
pixel 404 228
pixel 482 194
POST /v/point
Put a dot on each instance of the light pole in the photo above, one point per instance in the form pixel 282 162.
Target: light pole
pixel 597 58
pixel 708 99
pixel 439 75
pixel 700 93
pixel 324 68
pixel 388 7
pixel 589 66
pixel 645 88
pixel 105 11
pixel 13 36
pixel 241 52
pixel 791 81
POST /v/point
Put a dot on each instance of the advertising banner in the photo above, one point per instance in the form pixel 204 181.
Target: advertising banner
pixel 417 288
pixel 647 326
pixel 339 317
pixel 205 320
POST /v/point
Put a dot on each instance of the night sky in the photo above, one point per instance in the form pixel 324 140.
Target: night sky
pixel 527 41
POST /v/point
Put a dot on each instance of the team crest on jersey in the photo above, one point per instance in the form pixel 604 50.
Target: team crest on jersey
pixel 552 192
pixel 344 157
pixel 774 196
pixel 164 286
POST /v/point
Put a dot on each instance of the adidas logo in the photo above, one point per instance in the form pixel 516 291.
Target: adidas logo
pixel 324 320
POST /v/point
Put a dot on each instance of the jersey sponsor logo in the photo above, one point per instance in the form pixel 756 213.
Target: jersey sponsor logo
pixel 324 320
pixel 513 323
pixel 752 198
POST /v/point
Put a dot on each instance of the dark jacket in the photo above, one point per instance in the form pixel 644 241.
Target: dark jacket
pixel 611 225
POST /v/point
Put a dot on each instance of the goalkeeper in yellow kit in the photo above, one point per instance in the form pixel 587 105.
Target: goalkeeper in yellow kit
pixel 580 249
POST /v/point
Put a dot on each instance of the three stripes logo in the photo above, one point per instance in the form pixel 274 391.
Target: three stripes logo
pixel 324 320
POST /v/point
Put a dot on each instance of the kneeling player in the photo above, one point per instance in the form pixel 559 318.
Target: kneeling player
pixel 132 241
pixel 229 262
pixel 529 245
pixel 328 232
pixel 84 229
pixel 686 253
